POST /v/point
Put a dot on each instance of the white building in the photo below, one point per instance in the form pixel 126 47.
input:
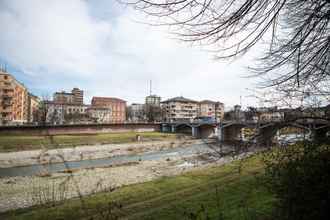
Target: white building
pixel 57 112
pixel 100 114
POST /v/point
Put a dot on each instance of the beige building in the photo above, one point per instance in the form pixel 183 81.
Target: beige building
pixel 211 109
pixel 180 109
pixel 115 105
pixel 33 107
pixel 75 97
pixel 13 100
pixel 183 109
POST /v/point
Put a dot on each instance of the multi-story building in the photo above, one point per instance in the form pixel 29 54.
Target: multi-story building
pixel 63 97
pixel 75 97
pixel 180 109
pixel 211 109
pixel 183 109
pixel 33 107
pixel 78 96
pixel 153 100
pixel 115 105
pixel 13 100
pixel 61 113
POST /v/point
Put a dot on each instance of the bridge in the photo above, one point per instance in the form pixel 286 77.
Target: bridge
pixel 265 131
pixel 195 129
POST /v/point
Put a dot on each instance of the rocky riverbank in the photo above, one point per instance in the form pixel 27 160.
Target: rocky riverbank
pixel 44 156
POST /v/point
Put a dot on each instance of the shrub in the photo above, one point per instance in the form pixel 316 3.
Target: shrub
pixel 299 177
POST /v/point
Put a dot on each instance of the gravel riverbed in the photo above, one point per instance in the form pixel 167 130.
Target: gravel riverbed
pixel 24 191
pixel 44 156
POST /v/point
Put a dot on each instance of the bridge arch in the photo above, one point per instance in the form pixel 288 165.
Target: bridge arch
pixel 184 128
pixel 266 133
pixel 206 130
pixel 232 132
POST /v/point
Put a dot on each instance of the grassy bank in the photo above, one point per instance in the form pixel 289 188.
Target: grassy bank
pixel 10 143
pixel 221 190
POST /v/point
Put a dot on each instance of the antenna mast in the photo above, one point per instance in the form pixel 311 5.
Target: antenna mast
pixel 150 87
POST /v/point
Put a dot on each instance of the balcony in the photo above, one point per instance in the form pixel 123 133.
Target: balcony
pixel 6 103
pixel 7 97
pixel 6 110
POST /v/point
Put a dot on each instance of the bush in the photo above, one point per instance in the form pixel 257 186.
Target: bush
pixel 299 177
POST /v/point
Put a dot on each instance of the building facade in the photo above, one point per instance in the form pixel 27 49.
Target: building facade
pixel 153 100
pixel 65 113
pixel 180 109
pixel 115 105
pixel 100 114
pixel 78 96
pixel 75 97
pixel 33 107
pixel 214 110
pixel 13 100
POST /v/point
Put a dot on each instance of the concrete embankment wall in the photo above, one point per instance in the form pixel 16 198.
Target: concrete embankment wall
pixel 80 129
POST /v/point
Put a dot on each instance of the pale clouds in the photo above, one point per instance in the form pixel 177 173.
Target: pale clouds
pixel 98 47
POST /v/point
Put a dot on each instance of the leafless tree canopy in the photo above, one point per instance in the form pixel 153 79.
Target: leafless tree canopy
pixel 297 32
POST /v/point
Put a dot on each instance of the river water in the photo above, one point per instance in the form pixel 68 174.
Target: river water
pixel 186 151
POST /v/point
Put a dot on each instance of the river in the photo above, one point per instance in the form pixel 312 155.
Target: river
pixel 186 151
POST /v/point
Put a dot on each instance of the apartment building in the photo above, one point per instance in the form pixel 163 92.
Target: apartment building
pixel 76 96
pixel 180 109
pixel 115 105
pixel 61 113
pixel 208 108
pixel 33 107
pixel 153 100
pixel 183 109
pixel 13 100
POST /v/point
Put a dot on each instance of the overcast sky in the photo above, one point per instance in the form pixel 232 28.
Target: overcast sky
pixel 99 47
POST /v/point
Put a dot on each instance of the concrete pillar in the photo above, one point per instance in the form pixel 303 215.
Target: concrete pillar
pixel 195 132
pixel 165 128
pixel 173 128
pixel 220 133
pixel 266 135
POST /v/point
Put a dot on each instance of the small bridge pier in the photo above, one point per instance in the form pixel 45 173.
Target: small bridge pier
pixel 230 132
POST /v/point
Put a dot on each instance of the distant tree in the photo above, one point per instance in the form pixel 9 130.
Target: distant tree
pixel 43 111
pixel 129 114
pixel 153 113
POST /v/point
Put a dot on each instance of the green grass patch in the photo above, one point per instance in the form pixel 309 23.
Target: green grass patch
pixel 10 143
pixel 215 191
